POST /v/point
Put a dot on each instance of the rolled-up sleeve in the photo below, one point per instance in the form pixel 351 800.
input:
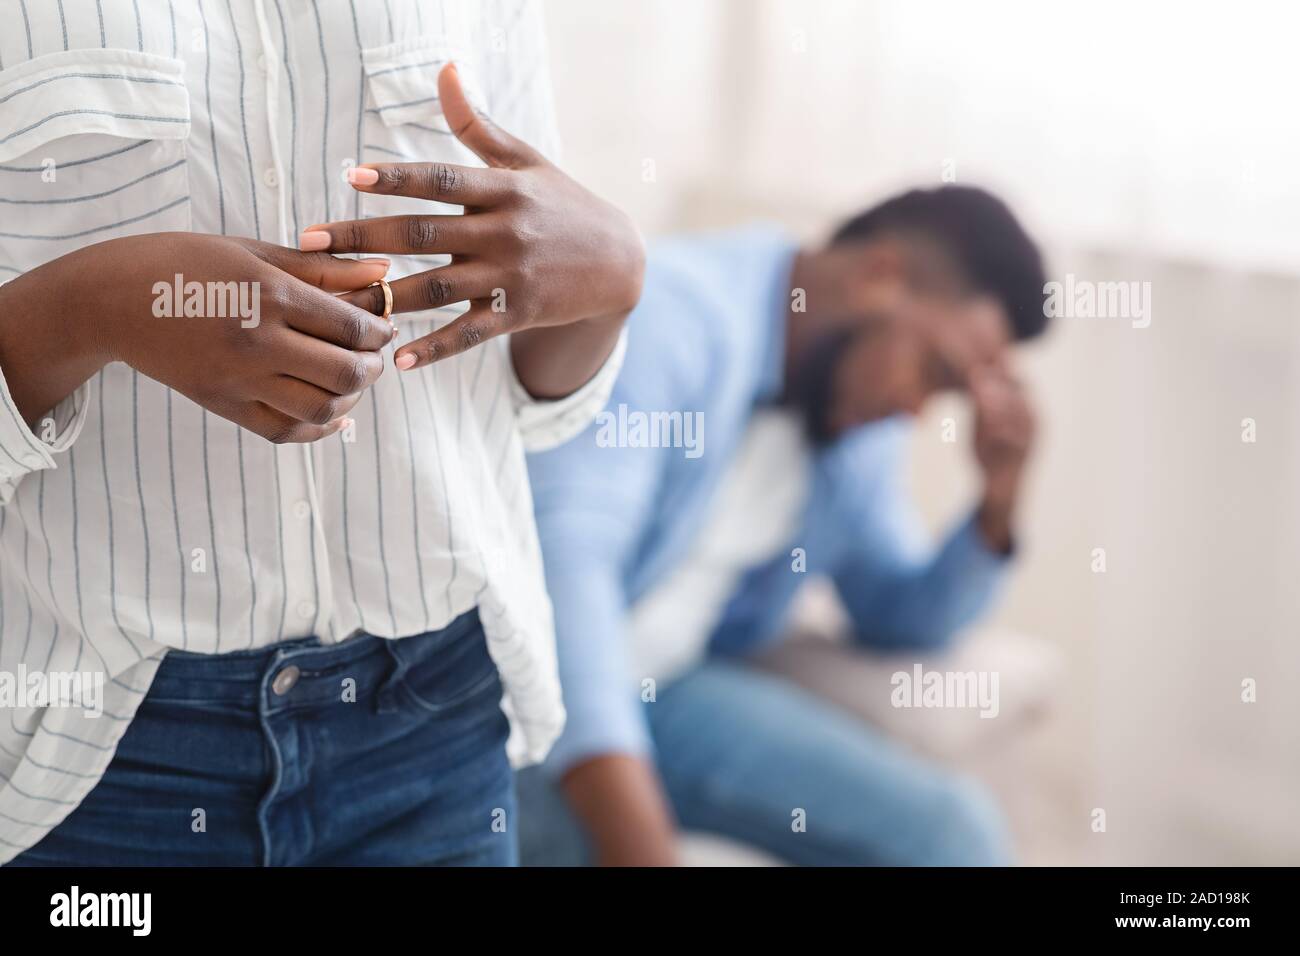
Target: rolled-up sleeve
pixel 547 424
pixel 22 451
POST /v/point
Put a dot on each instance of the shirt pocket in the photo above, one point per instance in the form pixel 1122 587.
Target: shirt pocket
pixel 403 123
pixel 92 147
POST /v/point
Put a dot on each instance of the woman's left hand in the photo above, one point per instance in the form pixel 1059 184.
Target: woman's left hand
pixel 533 251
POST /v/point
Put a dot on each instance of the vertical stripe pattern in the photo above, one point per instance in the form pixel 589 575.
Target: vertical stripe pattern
pixel 134 521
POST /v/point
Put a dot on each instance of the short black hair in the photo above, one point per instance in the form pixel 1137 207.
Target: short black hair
pixel 981 235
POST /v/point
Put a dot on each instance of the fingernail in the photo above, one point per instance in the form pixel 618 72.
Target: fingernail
pixel 376 261
pixel 314 240
pixel 344 424
pixel 404 361
pixel 361 176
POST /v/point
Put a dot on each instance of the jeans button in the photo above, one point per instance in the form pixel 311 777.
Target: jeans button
pixel 285 680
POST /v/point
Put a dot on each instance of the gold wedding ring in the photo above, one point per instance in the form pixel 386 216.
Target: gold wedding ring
pixel 388 299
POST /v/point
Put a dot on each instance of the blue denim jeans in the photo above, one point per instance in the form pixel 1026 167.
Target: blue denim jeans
pixel 752 757
pixel 368 752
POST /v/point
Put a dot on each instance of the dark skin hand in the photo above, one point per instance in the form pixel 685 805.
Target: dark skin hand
pixel 922 343
pixel 535 254
pixel 291 378
pixel 620 801
pixel 1004 435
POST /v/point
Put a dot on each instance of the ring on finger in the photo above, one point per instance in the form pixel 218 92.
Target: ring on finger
pixel 388 299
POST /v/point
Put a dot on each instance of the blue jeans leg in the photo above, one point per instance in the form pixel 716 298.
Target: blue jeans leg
pixel 752 757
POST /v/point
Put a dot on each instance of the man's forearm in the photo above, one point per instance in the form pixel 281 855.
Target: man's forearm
pixel 620 801
pixel 994 519
pixel 555 361
pixel 996 515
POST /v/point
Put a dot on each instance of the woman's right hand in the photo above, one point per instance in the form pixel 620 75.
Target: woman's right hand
pixel 288 367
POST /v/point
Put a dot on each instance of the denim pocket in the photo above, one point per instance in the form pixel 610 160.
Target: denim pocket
pixel 452 674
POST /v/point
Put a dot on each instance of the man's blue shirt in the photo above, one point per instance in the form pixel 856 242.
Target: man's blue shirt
pixel 708 337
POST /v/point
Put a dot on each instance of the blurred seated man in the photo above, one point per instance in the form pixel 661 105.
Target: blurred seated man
pixel 757 437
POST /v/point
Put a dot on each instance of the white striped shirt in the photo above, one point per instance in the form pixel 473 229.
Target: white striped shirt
pixel 133 520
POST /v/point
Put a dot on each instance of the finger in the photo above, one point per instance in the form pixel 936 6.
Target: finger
pixel 337 322
pixel 457 282
pixel 306 402
pixel 336 370
pixel 319 269
pixel 397 235
pixel 1011 429
pixel 441 182
pixel 990 387
pixel 489 142
pixel 277 427
pixel 1006 428
pixel 473 328
pixel 1009 398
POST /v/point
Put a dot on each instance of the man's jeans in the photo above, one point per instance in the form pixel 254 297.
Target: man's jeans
pixel 367 752
pixel 750 756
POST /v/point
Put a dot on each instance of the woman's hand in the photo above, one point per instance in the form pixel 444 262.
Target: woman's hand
pixel 534 252
pixel 265 344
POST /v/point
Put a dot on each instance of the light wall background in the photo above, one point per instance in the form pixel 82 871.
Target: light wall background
pixel 1152 143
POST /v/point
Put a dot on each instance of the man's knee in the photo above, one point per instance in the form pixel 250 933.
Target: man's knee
pixel 944 821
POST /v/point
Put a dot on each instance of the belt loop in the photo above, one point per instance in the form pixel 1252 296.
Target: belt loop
pixel 386 693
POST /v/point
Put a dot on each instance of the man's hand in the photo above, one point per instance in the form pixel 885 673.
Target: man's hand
pixel 1004 434
pixel 620 801
pixel 290 375
pixel 535 253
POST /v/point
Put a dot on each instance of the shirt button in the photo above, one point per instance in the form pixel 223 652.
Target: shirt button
pixel 31 461
pixel 285 680
pixel 271 177
pixel 301 509
pixel 306 609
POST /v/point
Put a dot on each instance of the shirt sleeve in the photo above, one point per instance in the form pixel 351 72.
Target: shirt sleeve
pixel 546 424
pixel 596 502
pixel 22 451
pixel 592 504
pixel 900 591
pixel 604 713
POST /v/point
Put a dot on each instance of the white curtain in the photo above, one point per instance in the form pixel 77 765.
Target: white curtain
pixel 1160 127
pixel 1165 128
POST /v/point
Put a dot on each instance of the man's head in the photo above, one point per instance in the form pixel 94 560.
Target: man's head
pixel 913 297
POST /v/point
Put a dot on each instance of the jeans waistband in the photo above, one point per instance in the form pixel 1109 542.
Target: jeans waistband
pixel 315 671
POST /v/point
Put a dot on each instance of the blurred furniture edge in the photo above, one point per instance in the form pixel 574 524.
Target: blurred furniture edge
pixel 816 655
